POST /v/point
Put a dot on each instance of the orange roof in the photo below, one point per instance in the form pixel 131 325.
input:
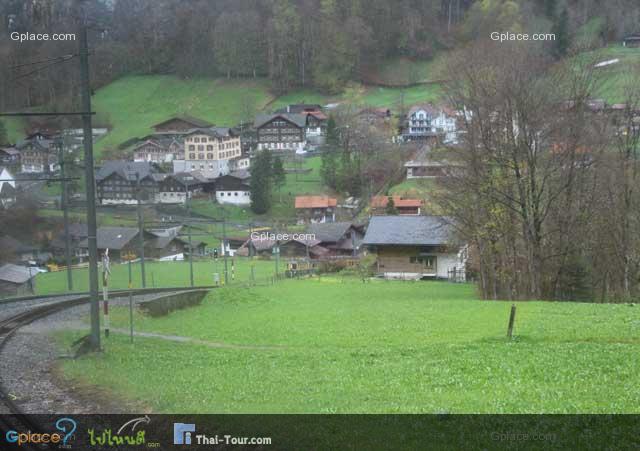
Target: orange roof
pixel 381 202
pixel 315 202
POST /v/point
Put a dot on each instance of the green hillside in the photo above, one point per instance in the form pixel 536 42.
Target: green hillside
pixel 131 105
pixel 614 79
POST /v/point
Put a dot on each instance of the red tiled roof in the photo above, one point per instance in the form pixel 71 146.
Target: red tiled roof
pixel 315 202
pixel 381 202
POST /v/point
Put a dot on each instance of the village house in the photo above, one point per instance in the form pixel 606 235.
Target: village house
pixel 15 251
pixel 180 124
pixel 315 128
pixel 291 248
pixel 431 124
pixel 121 182
pixel 415 247
pixel 158 150
pixel 38 154
pixel 425 165
pixel 214 152
pixel 77 233
pixel 17 280
pixel 315 209
pixel 402 206
pixel 281 132
pixel 10 157
pixel 339 238
pixel 234 188
pixel 174 188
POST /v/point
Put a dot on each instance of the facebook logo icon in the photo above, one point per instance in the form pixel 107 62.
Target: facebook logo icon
pixel 182 433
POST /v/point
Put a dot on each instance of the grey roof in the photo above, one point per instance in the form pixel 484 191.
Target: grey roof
pixel 429 108
pixel 330 232
pixel 113 237
pixel 126 169
pixel 298 119
pixel 241 174
pixel 189 119
pixel 408 230
pixel 16 274
pixel 216 132
pixel 10 150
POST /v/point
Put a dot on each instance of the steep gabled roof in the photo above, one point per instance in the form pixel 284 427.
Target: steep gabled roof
pixel 113 237
pixel 299 120
pixel 329 232
pixel 315 202
pixel 197 123
pixel 216 132
pixel 126 169
pixel 16 274
pixel 408 231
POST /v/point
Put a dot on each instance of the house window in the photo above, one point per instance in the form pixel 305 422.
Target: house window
pixel 192 156
pixel 221 194
pixel 209 156
pixel 192 147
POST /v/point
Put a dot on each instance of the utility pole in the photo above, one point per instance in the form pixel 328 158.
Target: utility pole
pixel 140 232
pixel 186 201
pixel 92 226
pixel 224 249
pixel 65 215
pixel 251 261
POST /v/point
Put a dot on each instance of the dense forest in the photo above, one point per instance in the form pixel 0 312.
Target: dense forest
pixel 322 44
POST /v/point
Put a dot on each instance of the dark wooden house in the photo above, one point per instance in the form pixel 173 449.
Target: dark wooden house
pixel 117 182
pixel 281 132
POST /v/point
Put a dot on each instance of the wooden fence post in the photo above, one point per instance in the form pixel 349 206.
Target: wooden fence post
pixel 512 319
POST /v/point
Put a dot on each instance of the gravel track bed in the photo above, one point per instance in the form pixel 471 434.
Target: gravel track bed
pixel 27 362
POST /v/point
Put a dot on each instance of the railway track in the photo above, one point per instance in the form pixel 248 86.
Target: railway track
pixel 11 324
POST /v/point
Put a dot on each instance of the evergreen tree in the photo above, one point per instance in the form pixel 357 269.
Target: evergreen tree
pixel 391 207
pixel 261 182
pixel 329 168
pixel 4 138
pixel 278 174
pixel 561 30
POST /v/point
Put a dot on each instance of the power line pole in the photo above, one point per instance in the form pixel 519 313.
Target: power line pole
pixel 140 232
pixel 64 200
pixel 92 226
pixel 186 201
pixel 224 249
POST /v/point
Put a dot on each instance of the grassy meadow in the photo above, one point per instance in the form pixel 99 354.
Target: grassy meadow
pixel 334 345
pixel 161 274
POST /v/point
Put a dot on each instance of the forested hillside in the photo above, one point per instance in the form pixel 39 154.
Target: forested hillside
pixel 309 44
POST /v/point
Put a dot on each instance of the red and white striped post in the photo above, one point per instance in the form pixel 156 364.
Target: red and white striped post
pixel 106 270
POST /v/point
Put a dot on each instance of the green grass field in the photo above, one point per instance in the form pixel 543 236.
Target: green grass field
pixel 615 79
pixel 161 274
pixel 334 345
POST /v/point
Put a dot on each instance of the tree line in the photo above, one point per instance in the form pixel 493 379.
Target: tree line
pixel 322 44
